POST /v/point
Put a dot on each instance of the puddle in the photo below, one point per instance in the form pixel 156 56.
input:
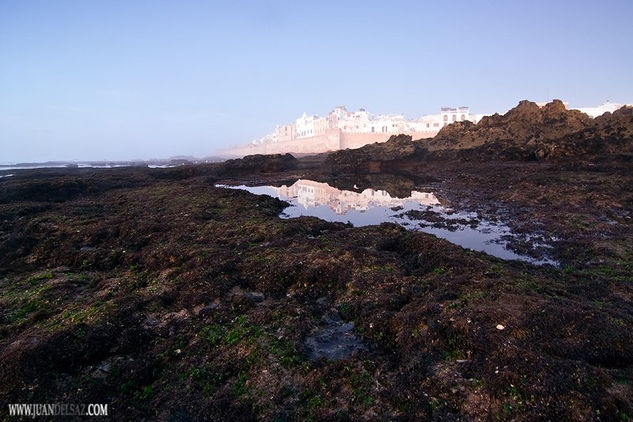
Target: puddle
pixel 421 211
pixel 334 342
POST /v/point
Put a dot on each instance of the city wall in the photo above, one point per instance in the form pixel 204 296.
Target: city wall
pixel 357 140
pixel 331 140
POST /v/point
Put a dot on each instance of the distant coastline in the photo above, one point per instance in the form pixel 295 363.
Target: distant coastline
pixel 154 163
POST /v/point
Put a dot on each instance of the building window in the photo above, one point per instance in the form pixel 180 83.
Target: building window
pixel 463 117
pixel 454 117
pixel 446 117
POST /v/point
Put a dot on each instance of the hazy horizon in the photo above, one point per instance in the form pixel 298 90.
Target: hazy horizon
pixel 139 80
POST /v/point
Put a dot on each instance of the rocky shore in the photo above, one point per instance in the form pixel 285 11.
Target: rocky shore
pixel 171 299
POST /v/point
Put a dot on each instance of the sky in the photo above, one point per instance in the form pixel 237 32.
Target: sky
pixel 118 80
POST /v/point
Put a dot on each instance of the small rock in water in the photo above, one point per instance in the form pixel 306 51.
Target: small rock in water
pixel 500 327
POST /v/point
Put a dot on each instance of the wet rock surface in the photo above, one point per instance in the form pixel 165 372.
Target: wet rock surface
pixel 162 320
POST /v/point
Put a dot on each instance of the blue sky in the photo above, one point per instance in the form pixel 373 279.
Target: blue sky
pixel 151 79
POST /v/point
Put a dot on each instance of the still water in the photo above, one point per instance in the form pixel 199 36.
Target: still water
pixel 421 211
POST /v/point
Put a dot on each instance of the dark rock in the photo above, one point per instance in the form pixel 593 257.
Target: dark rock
pixel 207 310
pixel 525 133
pixel 258 164
pixel 255 296
pixel 530 132
pixel 375 158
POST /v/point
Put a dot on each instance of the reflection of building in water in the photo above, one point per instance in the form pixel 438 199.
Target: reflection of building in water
pixel 310 193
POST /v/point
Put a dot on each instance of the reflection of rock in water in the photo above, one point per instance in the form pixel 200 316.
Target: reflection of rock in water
pixel 334 342
pixel 310 193
pixel 396 185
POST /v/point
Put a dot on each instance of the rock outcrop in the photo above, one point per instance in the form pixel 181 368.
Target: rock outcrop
pixel 258 164
pixel 376 158
pixel 526 132
pixel 531 132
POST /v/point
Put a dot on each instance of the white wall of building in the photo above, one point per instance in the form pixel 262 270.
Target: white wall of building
pixel 362 121
pixel 305 126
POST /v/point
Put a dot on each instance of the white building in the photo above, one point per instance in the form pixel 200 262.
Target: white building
pixel 362 121
pixel 305 125
pixel 450 115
